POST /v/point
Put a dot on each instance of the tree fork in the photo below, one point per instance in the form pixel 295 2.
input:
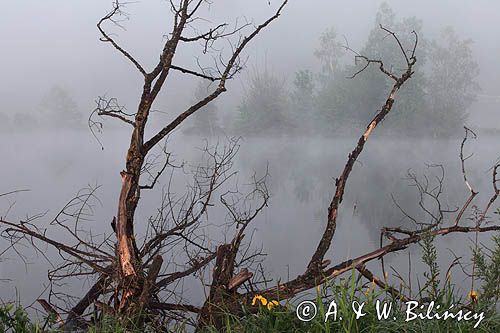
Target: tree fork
pixel 314 266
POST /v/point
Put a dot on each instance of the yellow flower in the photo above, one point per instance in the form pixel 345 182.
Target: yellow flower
pixel 473 296
pixel 272 304
pixel 260 298
pixel 371 288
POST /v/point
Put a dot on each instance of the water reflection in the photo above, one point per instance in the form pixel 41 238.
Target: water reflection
pixel 302 177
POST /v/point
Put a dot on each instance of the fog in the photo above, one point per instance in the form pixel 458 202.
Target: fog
pixel 56 44
pixel 300 184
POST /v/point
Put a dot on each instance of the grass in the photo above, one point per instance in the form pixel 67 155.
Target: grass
pixel 282 317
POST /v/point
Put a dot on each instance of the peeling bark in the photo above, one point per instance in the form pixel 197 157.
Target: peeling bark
pixel 126 253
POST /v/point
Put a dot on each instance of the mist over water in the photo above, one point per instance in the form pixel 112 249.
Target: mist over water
pixel 294 104
pixel 301 183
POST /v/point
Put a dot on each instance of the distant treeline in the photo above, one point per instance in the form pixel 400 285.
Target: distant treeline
pixel 56 110
pixel 435 102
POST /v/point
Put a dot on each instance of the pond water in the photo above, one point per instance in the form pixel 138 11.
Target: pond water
pixel 56 165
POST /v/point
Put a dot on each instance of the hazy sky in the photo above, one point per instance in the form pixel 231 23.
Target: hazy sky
pixel 56 42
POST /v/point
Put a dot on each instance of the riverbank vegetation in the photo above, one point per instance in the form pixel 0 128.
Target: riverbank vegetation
pixel 137 277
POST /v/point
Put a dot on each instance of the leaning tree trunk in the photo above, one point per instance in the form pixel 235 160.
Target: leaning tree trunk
pixel 129 272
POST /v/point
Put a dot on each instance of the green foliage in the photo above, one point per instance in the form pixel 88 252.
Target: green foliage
pixel 429 257
pixel 487 263
pixel 15 319
pixel 282 318
pixel 110 324
pixel 264 109
pixel 302 103
pixel 452 72
pixel 352 102
pixel 345 292
pixel 433 102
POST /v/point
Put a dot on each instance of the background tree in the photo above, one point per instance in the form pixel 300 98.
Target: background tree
pixel 452 85
pixel 330 51
pixel 303 117
pixel 434 102
pixel 346 104
pixel 410 109
pixel 264 109
pixel 58 109
pixel 24 121
pixel 331 86
pixel 205 122
pixel 130 277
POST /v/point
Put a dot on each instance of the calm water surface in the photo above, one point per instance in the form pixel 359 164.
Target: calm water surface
pixel 55 166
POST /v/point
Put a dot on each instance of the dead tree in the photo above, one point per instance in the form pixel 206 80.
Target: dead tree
pixel 131 277
pixel 131 272
pixel 319 269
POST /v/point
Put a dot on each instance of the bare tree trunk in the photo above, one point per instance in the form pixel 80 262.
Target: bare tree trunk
pixel 130 267
pixel 128 260
pixel 130 271
pixel 223 298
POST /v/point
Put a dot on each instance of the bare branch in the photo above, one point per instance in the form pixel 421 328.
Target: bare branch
pixel 372 278
pixel 220 89
pixel 107 38
pixel 340 182
pixel 306 282
pixel 188 71
pixel 464 174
